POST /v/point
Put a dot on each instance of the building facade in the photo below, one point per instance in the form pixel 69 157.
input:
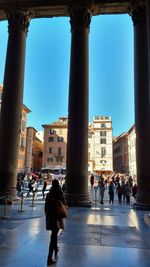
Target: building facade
pixel 121 154
pixel 22 143
pixel 34 151
pixel 55 143
pixel 22 146
pixel 99 144
pixel 78 108
pixel 100 156
pixel 1 89
pixel 132 151
pixel 124 153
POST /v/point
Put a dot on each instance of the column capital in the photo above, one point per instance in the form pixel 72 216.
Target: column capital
pixel 18 20
pixel 80 17
pixel 137 11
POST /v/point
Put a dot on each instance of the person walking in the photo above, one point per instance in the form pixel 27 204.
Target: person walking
pixel 92 181
pixel 53 223
pixel 134 190
pixel 127 191
pixel 119 192
pixel 44 188
pixel 101 185
pixel 111 192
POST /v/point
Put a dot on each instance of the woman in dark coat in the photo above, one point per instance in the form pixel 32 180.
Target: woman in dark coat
pixel 52 222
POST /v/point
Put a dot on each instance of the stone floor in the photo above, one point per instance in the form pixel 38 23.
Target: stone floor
pixel 103 235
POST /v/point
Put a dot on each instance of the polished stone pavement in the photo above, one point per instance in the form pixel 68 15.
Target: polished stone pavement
pixel 103 235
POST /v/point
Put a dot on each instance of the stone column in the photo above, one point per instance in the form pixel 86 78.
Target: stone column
pixel 148 29
pixel 142 107
pixel 12 99
pixel 77 143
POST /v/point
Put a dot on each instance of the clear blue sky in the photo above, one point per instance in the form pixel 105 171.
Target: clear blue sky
pixel 111 77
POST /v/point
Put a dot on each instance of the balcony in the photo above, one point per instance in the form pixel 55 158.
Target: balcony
pixel 59 155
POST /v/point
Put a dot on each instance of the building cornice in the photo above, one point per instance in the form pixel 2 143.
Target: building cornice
pixel 55 126
pixel 100 129
pixel 30 127
pixel 26 109
pixel 57 8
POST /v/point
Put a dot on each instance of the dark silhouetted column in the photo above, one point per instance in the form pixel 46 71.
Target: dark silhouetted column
pixel 12 99
pixel 77 143
pixel 142 107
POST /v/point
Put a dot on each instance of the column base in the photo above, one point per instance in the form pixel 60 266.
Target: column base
pixel 141 203
pixel 78 200
pixel 9 196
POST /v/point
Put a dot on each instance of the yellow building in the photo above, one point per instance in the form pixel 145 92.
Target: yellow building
pixel 1 89
pixel 55 143
pixel 99 142
pixel 34 151
pixel 22 146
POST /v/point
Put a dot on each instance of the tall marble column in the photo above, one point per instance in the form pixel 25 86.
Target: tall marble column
pixel 148 30
pixel 77 143
pixel 12 100
pixel 142 107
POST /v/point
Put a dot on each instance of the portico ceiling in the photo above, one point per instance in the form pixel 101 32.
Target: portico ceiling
pixel 56 8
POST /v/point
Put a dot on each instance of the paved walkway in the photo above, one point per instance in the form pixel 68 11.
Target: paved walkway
pixel 101 236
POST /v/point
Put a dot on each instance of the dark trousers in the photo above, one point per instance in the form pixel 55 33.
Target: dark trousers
pixel 53 243
pixel 111 197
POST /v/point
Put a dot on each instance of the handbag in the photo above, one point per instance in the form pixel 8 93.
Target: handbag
pixel 61 210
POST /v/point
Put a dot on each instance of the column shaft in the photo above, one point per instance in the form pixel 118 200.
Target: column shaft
pixel 142 108
pixel 12 100
pixel 77 143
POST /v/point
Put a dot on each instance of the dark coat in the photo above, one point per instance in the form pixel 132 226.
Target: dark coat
pixel 52 222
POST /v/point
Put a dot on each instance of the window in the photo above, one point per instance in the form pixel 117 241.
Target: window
pixel 60 131
pixel 103 152
pixel 51 131
pixel 103 161
pixel 22 143
pixel 103 133
pixel 103 125
pixel 59 150
pixel 50 150
pixel 89 145
pixel 103 141
pixel 23 125
pixel 60 139
pixel 49 159
pixel 21 157
pixel 50 139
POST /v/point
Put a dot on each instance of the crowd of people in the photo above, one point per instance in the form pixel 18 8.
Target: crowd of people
pixel 123 186
pixel 120 186
pixel 115 185
pixel 30 183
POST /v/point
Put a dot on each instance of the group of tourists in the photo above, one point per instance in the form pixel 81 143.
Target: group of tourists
pixel 30 184
pixel 122 187
pixel 115 186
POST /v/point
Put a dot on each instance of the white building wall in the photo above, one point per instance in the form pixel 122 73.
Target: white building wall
pixel 132 151
pixel 100 162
